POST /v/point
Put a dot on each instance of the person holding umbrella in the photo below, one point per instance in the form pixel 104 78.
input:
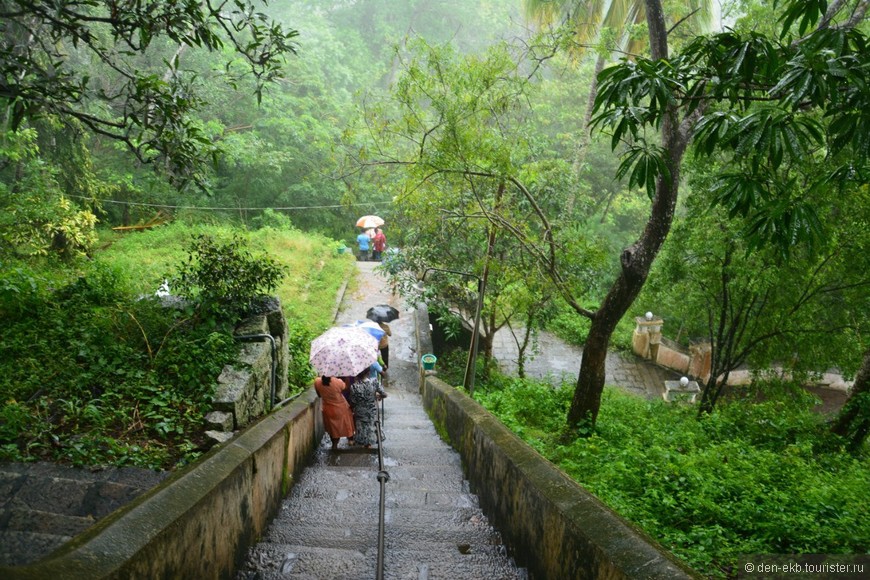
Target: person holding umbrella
pixel 384 344
pixel 382 314
pixel 367 223
pixel 340 352
pixel 364 241
pixel 365 392
pixel 337 416
pixel 379 243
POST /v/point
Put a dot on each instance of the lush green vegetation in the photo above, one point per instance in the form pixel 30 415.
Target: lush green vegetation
pixel 752 478
pixel 740 156
pixel 94 374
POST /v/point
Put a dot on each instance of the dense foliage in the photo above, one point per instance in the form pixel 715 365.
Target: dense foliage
pixel 96 372
pixel 753 478
pixel 117 69
pixel 224 278
pixel 92 375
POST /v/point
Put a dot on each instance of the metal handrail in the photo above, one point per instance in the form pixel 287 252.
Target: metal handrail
pixel 383 478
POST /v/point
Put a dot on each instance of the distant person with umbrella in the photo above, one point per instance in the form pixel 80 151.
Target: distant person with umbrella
pixel 367 223
pixel 379 242
pixel 382 314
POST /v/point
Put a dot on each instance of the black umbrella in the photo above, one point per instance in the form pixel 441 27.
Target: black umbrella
pixel 382 313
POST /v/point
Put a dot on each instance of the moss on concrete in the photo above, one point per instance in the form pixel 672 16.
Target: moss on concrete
pixel 552 525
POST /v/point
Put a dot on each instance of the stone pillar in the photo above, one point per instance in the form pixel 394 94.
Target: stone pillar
pixel 647 336
pixel 700 361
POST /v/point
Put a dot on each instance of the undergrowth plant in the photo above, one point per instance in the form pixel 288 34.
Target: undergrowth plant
pixel 95 372
pixel 224 278
pixel 91 375
pixel 755 477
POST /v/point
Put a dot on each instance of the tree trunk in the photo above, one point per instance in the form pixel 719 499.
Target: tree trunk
pixel 636 259
pixel 853 422
pixel 523 345
pixel 583 143
pixel 470 369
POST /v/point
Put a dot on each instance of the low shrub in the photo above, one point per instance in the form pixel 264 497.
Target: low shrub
pixel 751 478
pixel 93 376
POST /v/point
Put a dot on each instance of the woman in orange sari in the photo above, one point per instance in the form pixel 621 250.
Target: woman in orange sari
pixel 337 416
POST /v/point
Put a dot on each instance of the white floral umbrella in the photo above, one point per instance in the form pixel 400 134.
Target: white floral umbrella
pixel 343 352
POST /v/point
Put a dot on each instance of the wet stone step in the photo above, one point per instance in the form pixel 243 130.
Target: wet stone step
pixel 280 561
pixel 326 513
pixel 443 478
pixel 423 457
pixel 274 561
pixel 414 498
pixel 357 534
pixel 345 506
pixel 436 540
pixel 42 522
pixel 462 520
pixel 18 547
pixel 426 478
pixel 454 564
pixel 338 492
pixel 320 482
pixel 459 519
pixel 361 535
pixel 128 476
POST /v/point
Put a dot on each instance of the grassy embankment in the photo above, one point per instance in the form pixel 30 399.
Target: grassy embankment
pixel 751 478
pixel 91 374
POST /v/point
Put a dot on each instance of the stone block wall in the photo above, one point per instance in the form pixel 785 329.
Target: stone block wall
pixel 244 390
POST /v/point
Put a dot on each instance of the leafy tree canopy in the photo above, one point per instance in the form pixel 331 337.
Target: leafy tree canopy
pixel 96 61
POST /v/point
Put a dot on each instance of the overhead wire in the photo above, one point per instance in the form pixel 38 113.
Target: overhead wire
pixel 192 207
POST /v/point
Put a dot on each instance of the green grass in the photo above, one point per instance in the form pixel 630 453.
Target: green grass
pixel 752 478
pixel 315 271
pixel 92 375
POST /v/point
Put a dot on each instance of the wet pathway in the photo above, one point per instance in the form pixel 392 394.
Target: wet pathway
pixel 327 527
pixel 554 360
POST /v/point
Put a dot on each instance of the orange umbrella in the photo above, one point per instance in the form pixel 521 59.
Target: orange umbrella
pixel 369 221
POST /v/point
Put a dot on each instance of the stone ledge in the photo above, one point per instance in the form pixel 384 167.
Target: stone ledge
pixel 551 525
pixel 214 509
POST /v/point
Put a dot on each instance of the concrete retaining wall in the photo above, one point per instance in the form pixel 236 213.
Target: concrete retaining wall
pixel 200 522
pixel 551 525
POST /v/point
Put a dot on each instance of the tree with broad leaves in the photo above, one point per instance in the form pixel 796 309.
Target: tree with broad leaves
pixel 49 50
pixel 803 314
pixel 765 103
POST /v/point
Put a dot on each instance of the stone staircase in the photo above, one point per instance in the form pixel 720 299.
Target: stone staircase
pixel 328 525
pixel 44 505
